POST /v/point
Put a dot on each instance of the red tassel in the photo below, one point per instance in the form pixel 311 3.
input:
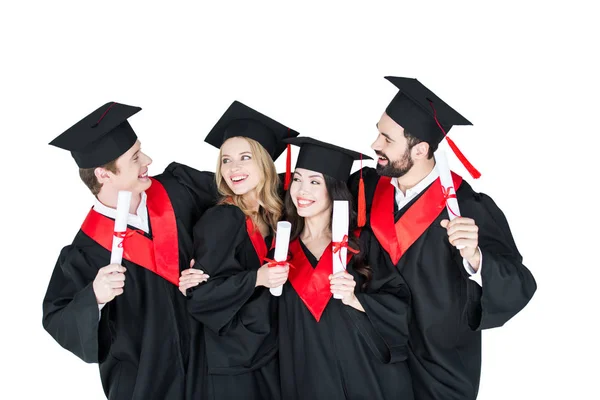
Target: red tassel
pixel 472 170
pixel 362 206
pixel 288 167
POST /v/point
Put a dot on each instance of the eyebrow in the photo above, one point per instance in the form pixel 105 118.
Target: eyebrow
pixel 242 153
pixel 387 136
pixel 310 176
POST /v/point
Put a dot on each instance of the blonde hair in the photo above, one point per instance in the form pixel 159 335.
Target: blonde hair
pixel 271 205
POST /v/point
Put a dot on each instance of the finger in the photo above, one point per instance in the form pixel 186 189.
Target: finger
pixel 118 292
pixel 341 288
pixel 192 262
pixel 469 244
pixel 189 285
pixel 463 235
pixel 119 276
pixel 109 269
pixel 115 285
pixel 341 274
pixel 461 221
pixel 278 273
pixel 343 281
pixel 278 270
pixel 194 272
pixel 444 223
pixel 462 228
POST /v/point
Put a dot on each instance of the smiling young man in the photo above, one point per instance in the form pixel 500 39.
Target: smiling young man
pixel 129 318
pixel 455 294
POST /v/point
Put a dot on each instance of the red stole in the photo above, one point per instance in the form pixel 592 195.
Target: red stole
pixel 159 254
pixel 312 284
pixel 258 242
pixel 397 238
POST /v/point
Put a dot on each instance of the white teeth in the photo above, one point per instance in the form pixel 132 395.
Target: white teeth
pixel 238 178
pixel 304 202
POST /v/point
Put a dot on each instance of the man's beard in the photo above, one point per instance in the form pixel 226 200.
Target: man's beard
pixel 395 169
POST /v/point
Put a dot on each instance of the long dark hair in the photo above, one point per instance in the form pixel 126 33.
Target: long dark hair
pixel 336 190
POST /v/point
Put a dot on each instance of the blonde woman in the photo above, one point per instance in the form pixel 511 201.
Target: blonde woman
pixel 231 241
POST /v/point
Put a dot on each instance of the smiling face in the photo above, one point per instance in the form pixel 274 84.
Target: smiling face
pixel 239 168
pixel 392 148
pixel 309 193
pixel 131 171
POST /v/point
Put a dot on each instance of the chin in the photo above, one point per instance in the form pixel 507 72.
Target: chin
pixel 145 185
pixel 239 191
pixel 304 213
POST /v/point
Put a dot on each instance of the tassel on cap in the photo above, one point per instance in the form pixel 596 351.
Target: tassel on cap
pixel 472 170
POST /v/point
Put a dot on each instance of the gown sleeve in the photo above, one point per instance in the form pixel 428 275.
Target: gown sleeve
pixel 386 301
pixel 70 310
pixel 507 284
pixel 217 238
pixel 200 185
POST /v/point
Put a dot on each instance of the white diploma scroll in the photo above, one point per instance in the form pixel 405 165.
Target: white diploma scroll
pixel 339 230
pixel 123 202
pixel 282 242
pixel 441 163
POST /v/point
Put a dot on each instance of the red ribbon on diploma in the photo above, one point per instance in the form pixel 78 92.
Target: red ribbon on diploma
pixel 123 235
pixel 272 263
pixel 447 193
pixel 337 246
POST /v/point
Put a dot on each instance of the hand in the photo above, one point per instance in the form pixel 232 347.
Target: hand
pixel 342 283
pixel 272 277
pixel 463 232
pixel 109 282
pixel 191 277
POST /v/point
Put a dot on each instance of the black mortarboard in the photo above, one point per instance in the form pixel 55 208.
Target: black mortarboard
pixel 241 120
pixel 101 137
pixel 325 158
pixel 415 108
pixel 426 116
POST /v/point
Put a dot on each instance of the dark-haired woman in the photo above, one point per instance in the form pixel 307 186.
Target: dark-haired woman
pixel 354 347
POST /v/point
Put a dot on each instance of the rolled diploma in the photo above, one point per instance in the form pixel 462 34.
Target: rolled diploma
pixel 123 202
pixel 282 241
pixel 441 163
pixel 339 229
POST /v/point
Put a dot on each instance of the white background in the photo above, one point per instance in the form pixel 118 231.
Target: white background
pixel 524 73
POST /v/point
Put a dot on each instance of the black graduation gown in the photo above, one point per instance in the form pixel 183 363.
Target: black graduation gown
pixel 240 332
pixel 346 354
pixel 449 311
pixel 140 339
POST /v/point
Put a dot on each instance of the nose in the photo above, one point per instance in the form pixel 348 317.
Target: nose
pixel 147 160
pixel 304 187
pixel 376 146
pixel 235 165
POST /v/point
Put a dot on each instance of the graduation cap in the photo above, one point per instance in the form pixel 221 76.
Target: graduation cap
pixel 425 116
pixel 101 137
pixel 241 120
pixel 330 160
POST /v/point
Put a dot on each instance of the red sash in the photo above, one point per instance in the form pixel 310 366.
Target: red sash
pixel 312 284
pixel 258 242
pixel 397 238
pixel 160 254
